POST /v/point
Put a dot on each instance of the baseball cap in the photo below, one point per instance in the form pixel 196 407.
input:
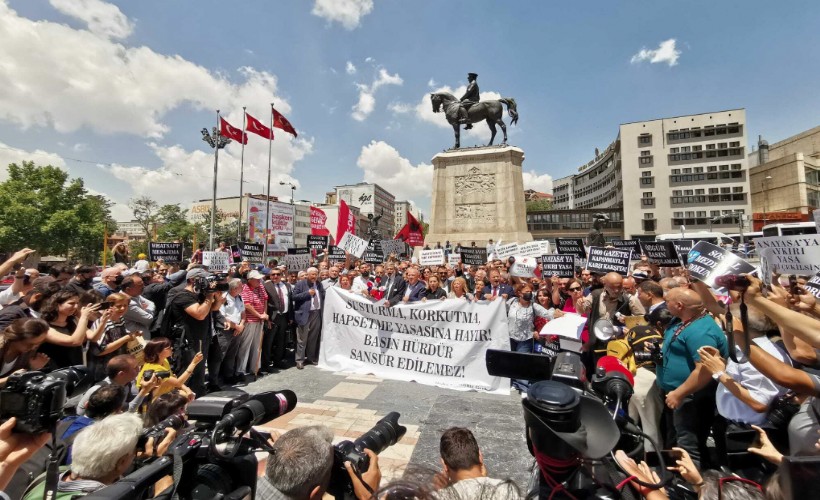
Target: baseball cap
pixel 640 275
pixel 254 275
pixel 197 273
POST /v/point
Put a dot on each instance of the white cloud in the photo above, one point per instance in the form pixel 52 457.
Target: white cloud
pixel 350 68
pixel 665 53
pixel 540 183
pixel 367 98
pixel 102 18
pixel 10 154
pixel 368 59
pixel 400 108
pixel 80 147
pixel 383 164
pixel 348 13
pixel 66 79
pixel 432 83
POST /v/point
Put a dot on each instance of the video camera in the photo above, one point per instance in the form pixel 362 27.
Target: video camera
pixel 574 423
pixel 384 434
pixel 211 460
pixel 211 283
pixel 38 399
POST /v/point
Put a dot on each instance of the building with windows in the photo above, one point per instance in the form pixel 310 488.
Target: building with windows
pixel 371 199
pixel 131 229
pixel 301 223
pixel 685 171
pixel 785 179
pixel 402 207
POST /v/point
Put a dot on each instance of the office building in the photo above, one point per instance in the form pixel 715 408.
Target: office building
pixel 402 207
pixel 785 179
pixel 371 199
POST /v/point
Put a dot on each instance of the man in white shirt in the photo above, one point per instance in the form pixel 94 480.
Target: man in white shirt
pixel 141 311
pixel 229 330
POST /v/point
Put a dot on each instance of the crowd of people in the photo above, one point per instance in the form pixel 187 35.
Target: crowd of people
pixel 735 395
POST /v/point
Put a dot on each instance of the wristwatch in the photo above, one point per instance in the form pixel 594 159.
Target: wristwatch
pixel 717 375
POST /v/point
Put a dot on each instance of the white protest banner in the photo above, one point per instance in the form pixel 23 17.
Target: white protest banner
pixel 216 262
pixel 796 254
pixel 393 246
pixel 506 250
pixel 441 342
pixel 606 260
pixel 454 258
pixel 524 267
pixel 433 257
pixel 353 245
pixel 708 261
pixel 532 249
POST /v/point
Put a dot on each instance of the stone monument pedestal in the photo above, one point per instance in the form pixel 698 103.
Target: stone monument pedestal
pixel 478 195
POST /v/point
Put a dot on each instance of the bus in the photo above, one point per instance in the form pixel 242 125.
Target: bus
pixel 789 228
pixel 712 237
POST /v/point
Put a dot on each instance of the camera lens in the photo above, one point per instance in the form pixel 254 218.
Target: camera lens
pixel 386 432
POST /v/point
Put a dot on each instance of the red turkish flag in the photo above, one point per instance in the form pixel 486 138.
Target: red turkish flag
pixel 280 121
pixel 258 128
pixel 347 221
pixel 411 233
pixel 232 132
pixel 318 219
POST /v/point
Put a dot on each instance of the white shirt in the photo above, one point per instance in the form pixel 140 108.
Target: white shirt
pixel 480 487
pixel 316 299
pixel 359 285
pixel 285 296
pixel 233 308
pixel 762 389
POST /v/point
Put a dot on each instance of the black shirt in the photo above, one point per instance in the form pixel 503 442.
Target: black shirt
pixel 195 328
pixel 62 356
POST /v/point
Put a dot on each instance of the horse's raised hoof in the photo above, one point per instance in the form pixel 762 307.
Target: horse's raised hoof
pixel 469 126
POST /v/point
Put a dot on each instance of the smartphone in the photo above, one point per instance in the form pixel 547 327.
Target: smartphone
pixel 104 306
pixel 739 440
pixel 669 458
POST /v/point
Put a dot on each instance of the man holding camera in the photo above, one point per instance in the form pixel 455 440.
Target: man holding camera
pixel 189 311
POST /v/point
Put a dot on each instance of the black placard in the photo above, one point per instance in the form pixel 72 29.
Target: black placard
pixel 298 251
pixel 473 256
pixel 662 253
pixel 709 261
pixel 628 245
pixel 562 266
pixel 252 252
pixel 337 254
pixel 316 242
pixel 683 247
pixel 608 260
pixel 813 285
pixel 168 252
pixel 571 246
pixel 373 254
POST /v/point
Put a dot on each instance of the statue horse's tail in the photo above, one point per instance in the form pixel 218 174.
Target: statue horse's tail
pixel 511 109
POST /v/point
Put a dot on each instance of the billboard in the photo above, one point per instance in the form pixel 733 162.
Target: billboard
pixel 280 236
pixel 359 196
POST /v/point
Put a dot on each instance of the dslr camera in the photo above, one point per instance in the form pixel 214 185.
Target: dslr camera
pixel 37 399
pixel 211 283
pixel 384 434
pixel 147 374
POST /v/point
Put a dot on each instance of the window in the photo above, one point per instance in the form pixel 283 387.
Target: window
pixel 647 194
pixel 649 225
pixel 711 168
pixel 721 145
pixel 737 189
pixel 674 150
pixel 698 170
pixel 647 181
pixel 724 168
pixel 675 171
pixel 734 144
pixel 648 202
pixel 687 170
pixel 688 192
pixel 677 192
pixel 677 214
pixel 714 190
pixel 699 191
pixel 649 215
pixel 646 160
pixel 736 166
pixel 645 153
pixel 646 174
pixel 701 213
pixel 685 149
pixel 710 146
pixel 645 139
pixel 724 190
pixel 714 213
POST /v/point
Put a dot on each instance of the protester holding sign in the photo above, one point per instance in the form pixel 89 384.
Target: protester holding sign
pixel 521 314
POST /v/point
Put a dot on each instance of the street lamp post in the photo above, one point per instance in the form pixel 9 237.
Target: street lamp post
pixel 217 141
pixel 292 206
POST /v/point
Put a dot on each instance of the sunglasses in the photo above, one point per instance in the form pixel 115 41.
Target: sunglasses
pixel 574 289
pixel 729 479
pixel 276 274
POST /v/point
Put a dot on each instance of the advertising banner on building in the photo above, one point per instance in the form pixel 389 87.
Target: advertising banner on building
pixel 441 342
pixel 280 235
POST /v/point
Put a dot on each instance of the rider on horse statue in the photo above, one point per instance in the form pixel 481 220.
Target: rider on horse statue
pixel 470 97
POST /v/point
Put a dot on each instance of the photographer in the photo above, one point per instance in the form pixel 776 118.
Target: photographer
pixel 156 352
pixel 102 453
pixel 300 467
pixel 189 311
pixel 18 347
pixel 122 370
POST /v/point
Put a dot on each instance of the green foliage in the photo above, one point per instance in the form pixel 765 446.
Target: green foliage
pixel 145 213
pixel 538 205
pixel 41 208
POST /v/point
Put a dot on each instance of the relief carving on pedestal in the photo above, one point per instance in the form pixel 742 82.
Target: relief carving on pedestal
pixel 476 213
pixel 474 183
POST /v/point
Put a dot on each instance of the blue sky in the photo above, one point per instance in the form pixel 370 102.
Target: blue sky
pixel 126 86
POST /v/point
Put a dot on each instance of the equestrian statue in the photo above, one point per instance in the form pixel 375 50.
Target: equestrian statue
pixel 470 109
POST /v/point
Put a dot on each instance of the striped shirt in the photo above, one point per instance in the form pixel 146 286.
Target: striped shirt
pixel 257 298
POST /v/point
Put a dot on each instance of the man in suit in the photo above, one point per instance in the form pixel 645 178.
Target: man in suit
pixel 394 285
pixel 496 288
pixel 414 289
pixel 280 312
pixel 308 300
pixel 650 294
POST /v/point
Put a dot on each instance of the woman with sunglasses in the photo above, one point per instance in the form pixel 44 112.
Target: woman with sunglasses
pixel 576 292
pixel 549 345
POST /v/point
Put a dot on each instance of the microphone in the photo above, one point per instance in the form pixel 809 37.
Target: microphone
pixel 259 408
pixel 613 380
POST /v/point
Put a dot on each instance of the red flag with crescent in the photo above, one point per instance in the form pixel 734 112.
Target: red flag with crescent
pixel 232 132
pixel 256 127
pixel 280 121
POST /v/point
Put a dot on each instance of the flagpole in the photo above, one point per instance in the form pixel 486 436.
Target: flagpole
pixel 216 163
pixel 241 177
pixel 267 209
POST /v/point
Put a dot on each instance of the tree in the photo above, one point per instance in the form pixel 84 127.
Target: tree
pixel 145 213
pixel 539 205
pixel 41 208
pixel 173 225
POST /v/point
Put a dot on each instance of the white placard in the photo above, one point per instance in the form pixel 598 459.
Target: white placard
pixel 440 342
pixel 392 246
pixel 433 257
pixel 297 262
pixel 454 258
pixel 506 250
pixel 797 254
pixel 524 267
pixel 531 249
pixel 569 325
pixel 216 262
pixel 353 244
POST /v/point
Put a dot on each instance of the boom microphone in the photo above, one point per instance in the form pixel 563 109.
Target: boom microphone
pixel 259 408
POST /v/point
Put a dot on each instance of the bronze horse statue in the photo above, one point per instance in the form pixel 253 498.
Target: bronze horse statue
pixel 491 111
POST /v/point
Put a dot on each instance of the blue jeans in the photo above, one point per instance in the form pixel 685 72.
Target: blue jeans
pixel 521 346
